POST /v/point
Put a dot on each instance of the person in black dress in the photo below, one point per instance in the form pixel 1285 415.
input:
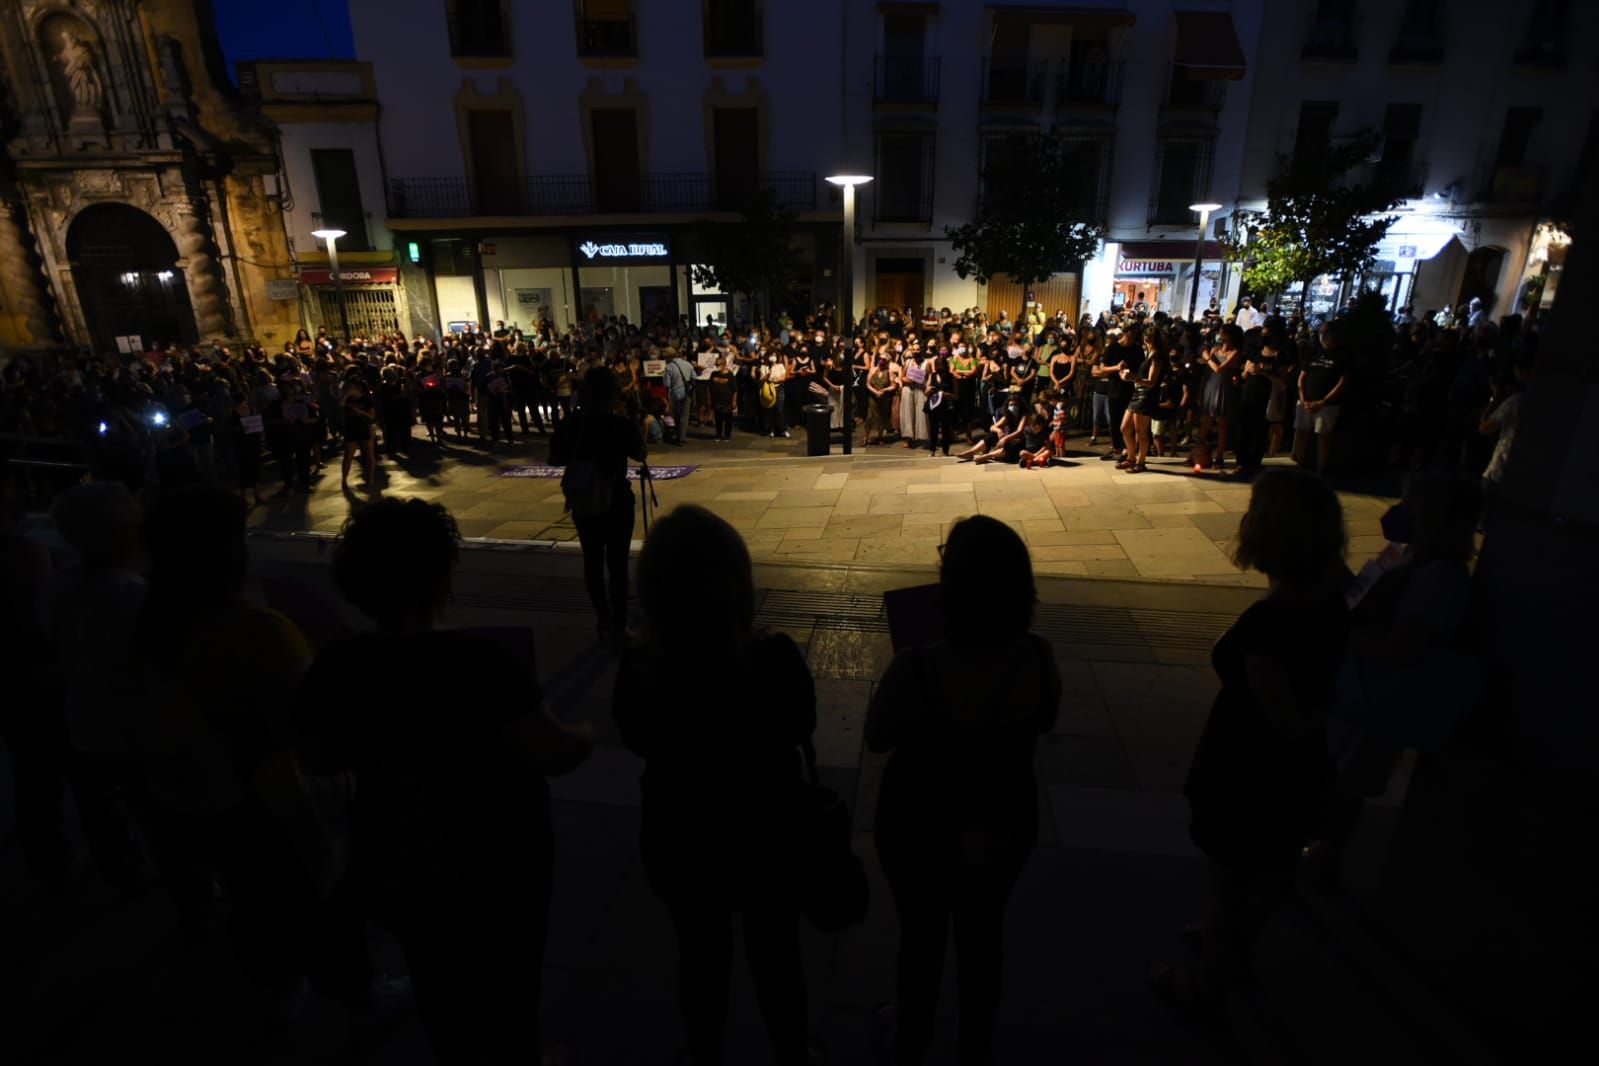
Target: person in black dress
pixel 360 412
pixel 957 814
pixel 1144 404
pixel 941 404
pixel 1261 776
pixel 603 441
pixel 708 859
pixel 450 833
pixel 289 425
pixel 247 445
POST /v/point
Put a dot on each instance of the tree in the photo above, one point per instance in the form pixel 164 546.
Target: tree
pixel 1317 221
pixel 754 255
pixel 1028 221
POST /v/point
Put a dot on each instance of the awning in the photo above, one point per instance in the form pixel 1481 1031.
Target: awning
pixel 1414 238
pixel 1052 15
pixel 1207 45
pixel 1176 249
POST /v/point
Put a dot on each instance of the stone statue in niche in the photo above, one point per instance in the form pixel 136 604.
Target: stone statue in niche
pixel 83 78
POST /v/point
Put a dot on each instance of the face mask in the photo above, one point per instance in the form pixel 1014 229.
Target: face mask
pixel 1012 408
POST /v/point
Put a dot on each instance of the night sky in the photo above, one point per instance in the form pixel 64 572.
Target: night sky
pixel 283 29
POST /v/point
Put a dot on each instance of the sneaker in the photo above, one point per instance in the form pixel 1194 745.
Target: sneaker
pixel 787 435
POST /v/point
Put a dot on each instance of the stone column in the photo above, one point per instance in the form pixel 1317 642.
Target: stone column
pixel 24 286
pixel 213 314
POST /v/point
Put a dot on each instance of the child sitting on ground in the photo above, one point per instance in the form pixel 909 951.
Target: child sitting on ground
pixel 1035 444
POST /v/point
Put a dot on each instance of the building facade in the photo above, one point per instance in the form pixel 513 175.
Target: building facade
pixel 139 193
pixel 565 160
pixel 331 172
pixel 1489 123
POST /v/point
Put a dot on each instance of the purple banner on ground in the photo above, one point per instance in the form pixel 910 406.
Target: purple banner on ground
pixel 659 473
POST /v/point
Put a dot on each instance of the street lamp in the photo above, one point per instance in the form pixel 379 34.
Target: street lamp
pixel 846 305
pixel 331 236
pixel 1204 210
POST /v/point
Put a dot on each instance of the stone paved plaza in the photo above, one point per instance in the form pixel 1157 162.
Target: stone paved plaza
pixel 885 505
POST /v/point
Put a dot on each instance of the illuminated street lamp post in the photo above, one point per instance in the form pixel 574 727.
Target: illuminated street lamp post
pixel 1204 210
pixel 846 303
pixel 331 236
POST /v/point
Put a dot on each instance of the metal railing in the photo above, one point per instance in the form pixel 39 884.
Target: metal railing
pixel 1056 81
pixel 582 194
pixel 1008 81
pixel 1088 82
pixel 1513 185
pixel 472 36
pixel 607 37
pixel 1188 93
pixel 906 79
pixel 1401 180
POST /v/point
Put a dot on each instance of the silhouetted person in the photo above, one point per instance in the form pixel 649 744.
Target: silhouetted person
pixel 1261 775
pixel 957 816
pixel 30 714
pixel 721 777
pixel 595 445
pixel 450 825
pixel 90 613
pixel 219 676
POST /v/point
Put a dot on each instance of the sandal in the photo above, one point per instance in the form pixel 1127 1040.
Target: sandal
pixel 1138 469
pixel 1124 465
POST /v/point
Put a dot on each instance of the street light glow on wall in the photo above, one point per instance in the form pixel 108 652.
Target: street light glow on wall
pixel 1204 208
pixel 846 303
pixel 331 236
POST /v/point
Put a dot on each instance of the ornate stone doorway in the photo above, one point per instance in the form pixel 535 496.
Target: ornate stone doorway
pixel 125 268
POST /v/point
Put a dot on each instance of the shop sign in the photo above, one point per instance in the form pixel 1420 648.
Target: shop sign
pixel 594 249
pixel 1145 268
pixel 282 289
pixel 353 276
pixel 530 302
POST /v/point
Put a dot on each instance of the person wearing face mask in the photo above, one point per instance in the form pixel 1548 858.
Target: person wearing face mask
pixel 963 365
pixel 774 387
pixel 880 402
pixel 802 374
pixel 940 403
pixel 913 399
pixel 1003 439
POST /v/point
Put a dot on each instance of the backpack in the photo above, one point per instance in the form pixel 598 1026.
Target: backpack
pixel 768 394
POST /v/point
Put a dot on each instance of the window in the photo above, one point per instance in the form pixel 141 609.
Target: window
pixel 1189 91
pixel 478 28
pixel 1420 38
pixel 904 72
pixel 736 140
pixel 1588 161
pixel 338 196
pixel 1182 169
pixel 614 132
pixel 1545 40
pixel 1396 171
pixel 606 28
pixel 733 28
pixel 497 183
pixel 1332 31
pixel 1089 177
pixel 903 191
pixel 1313 136
pixel 1517 135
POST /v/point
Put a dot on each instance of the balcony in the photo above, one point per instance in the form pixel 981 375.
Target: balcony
pixel 600 37
pixel 1185 93
pixel 1088 83
pixel 581 194
pixel 1398 180
pixel 739 35
pixel 1008 83
pixel 1013 82
pixel 905 80
pixel 1514 185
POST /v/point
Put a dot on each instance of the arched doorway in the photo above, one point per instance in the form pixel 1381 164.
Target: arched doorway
pixel 125 267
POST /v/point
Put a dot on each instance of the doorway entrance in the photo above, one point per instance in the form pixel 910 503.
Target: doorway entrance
pixel 125 267
pixel 900 283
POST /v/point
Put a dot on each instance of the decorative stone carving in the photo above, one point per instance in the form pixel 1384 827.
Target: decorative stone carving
pixel 23 284
pixel 83 77
pixel 207 293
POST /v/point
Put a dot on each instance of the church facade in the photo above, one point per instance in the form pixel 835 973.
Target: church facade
pixel 139 193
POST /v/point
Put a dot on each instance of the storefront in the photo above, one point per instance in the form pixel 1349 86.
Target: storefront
pixel 630 275
pixel 371 303
pixel 1159 276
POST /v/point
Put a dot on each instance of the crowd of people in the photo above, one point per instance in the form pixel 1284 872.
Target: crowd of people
pixel 208 744
pixel 1373 388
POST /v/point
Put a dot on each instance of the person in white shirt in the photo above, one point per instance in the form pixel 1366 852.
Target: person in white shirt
pixel 1247 317
pixel 774 372
pixel 1477 316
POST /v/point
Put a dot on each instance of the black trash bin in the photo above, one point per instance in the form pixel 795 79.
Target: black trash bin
pixel 818 418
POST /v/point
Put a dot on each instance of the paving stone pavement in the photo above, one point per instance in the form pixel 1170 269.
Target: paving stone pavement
pixel 884 505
